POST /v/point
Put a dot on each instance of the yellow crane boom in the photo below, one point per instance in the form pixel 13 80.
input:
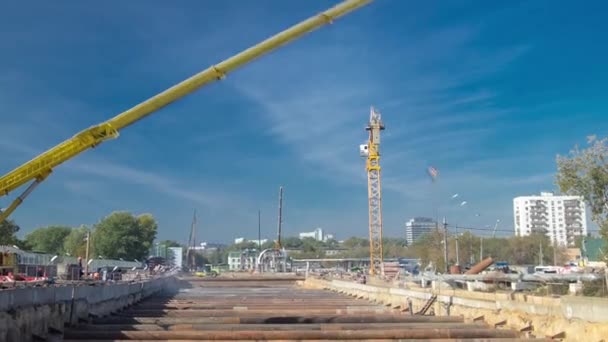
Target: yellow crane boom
pixel 40 167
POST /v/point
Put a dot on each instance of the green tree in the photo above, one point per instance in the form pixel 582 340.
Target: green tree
pixel 500 249
pixel 123 235
pixel 353 242
pixel 585 173
pixel 332 243
pixel 291 242
pixel 243 245
pixel 216 257
pixel 48 239
pixel 169 243
pixel 468 245
pixel 395 248
pixel 8 231
pixel 75 243
pixel 200 260
pixel 527 249
pixel 429 248
pixel 267 245
pixel 148 227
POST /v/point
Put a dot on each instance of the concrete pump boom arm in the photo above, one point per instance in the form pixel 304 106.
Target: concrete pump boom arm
pixel 40 167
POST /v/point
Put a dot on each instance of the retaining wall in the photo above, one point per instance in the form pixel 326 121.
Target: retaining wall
pixel 575 318
pixel 42 312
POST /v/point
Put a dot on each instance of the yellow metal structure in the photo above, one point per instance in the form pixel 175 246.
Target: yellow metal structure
pixel 41 166
pixel 374 188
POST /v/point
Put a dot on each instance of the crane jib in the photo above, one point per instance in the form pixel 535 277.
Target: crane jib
pixel 91 137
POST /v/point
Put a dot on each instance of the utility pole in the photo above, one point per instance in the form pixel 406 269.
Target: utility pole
pixel 480 248
pixel 457 249
pixel 280 223
pixel 192 244
pixel 555 253
pixel 584 254
pixel 86 261
pixel 259 230
pixel 445 246
pixel 540 256
pixel 471 261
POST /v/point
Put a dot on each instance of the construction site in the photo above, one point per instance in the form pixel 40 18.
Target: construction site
pixel 272 296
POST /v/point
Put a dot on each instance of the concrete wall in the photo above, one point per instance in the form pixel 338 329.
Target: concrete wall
pixel 29 312
pixel 579 318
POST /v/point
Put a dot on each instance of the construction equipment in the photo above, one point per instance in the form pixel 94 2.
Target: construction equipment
pixel 274 258
pixel 207 271
pixel 277 244
pixel 372 151
pixel 191 253
pixel 40 167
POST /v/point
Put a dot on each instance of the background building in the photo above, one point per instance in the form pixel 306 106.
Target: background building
pixel 416 227
pixel 317 234
pixel 242 260
pixel 175 255
pixel 561 218
pixel 256 241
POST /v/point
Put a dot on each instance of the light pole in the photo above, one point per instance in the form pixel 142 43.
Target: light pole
pixel 462 204
pixel 445 246
pixel 495 227
pixel 259 230
pixel 457 250
pixel 86 256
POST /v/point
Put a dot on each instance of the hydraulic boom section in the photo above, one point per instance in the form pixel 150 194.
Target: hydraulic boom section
pixel 41 166
pixel 372 152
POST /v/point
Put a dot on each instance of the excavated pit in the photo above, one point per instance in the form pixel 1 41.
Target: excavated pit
pixel 273 309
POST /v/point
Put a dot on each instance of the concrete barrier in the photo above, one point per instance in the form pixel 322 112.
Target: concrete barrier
pixel 579 318
pixel 29 313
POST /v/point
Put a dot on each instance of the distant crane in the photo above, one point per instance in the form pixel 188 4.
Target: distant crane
pixel 371 150
pixel 278 244
pixel 192 244
pixel 495 227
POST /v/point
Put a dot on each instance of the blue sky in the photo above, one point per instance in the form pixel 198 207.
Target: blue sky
pixel 486 92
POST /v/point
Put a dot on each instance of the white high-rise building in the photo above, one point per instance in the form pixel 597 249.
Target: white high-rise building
pixel 561 218
pixel 417 227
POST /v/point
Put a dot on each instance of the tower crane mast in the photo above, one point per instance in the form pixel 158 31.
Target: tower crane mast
pixel 39 168
pixel 374 189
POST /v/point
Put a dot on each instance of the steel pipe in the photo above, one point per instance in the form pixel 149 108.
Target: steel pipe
pixel 272 319
pixel 293 334
pixel 278 327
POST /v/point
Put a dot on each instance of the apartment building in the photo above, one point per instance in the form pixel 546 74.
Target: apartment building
pixel 561 218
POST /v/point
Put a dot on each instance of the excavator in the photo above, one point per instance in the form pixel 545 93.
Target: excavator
pixel 38 169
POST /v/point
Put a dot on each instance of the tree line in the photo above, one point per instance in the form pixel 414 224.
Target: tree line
pixel 118 235
pixel 429 249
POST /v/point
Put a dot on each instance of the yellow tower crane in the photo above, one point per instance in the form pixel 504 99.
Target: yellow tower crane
pixel 39 168
pixel 372 151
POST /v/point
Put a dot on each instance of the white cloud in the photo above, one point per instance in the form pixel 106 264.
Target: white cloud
pixel 163 185
pixel 318 106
